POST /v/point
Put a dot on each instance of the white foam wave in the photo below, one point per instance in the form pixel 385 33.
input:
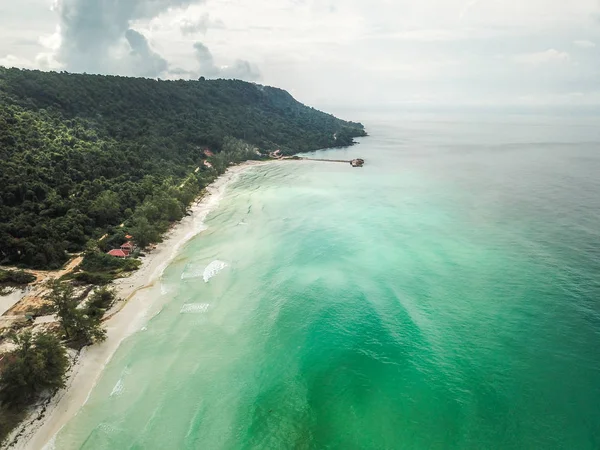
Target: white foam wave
pixel 192 271
pixel 194 308
pixel 51 445
pixel 118 389
pixel 212 269
pixel 166 288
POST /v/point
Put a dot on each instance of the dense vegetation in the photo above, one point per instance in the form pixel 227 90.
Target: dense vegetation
pixel 80 326
pixel 15 278
pixel 82 154
pixel 99 268
pixel 38 364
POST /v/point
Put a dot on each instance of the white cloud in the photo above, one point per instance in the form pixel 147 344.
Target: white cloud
pixel 326 51
pixel 584 44
pixel 467 7
pixel 550 56
pixel 16 61
pixel 200 25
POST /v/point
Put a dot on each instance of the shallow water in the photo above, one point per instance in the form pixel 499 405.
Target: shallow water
pixel 443 296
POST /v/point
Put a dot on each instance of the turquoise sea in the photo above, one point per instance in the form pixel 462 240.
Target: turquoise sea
pixel 445 296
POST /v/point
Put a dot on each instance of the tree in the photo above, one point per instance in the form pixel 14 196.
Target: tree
pixel 79 326
pixel 106 207
pixel 37 364
pixel 143 232
pixel 102 299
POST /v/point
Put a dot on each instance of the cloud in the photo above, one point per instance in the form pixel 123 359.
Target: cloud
pixel 584 44
pixel 95 34
pixel 467 7
pixel 146 63
pixel 438 35
pixel 206 61
pixel 550 56
pixel 200 25
pixel 240 69
pixel 15 61
pixel 394 50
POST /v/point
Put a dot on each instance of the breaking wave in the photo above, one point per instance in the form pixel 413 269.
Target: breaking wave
pixel 212 269
pixel 118 389
pixel 192 271
pixel 194 308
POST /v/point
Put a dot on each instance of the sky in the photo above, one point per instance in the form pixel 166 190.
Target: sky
pixel 538 53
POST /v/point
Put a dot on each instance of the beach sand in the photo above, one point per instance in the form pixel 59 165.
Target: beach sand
pixel 139 303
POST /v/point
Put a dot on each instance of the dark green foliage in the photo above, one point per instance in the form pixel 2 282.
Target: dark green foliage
pixel 80 328
pixel 101 262
pixel 37 364
pixel 83 153
pixel 97 278
pixel 101 300
pixel 99 268
pixel 15 277
pixel 9 419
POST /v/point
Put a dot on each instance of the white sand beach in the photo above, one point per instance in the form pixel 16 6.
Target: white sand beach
pixel 138 304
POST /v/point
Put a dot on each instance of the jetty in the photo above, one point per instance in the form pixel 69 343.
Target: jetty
pixel 357 162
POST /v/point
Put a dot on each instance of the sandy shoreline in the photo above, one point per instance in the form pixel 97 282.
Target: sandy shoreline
pixel 127 317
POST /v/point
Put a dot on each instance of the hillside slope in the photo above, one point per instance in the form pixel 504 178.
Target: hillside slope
pixel 81 154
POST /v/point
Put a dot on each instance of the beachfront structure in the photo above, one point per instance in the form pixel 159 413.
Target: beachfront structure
pixel 118 253
pixel 276 154
pixel 126 249
pixel 127 246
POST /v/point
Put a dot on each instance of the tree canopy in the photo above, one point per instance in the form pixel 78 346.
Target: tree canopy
pixel 81 154
pixel 81 326
pixel 37 364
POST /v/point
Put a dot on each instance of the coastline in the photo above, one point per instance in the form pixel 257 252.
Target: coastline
pixel 128 316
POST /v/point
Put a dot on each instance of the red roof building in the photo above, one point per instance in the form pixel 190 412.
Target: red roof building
pixel 119 253
pixel 128 237
pixel 127 246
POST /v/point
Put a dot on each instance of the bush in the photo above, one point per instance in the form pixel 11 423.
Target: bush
pixel 101 300
pixel 16 277
pixel 80 328
pixel 37 364
pixel 97 278
pixel 101 262
pixel 10 418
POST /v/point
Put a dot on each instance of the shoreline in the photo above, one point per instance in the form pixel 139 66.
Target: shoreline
pixel 130 313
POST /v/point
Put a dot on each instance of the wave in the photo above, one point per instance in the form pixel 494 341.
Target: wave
pixel 212 269
pixel 118 389
pixel 166 288
pixel 192 271
pixel 194 308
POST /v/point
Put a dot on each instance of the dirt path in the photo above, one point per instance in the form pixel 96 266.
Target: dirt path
pixel 35 297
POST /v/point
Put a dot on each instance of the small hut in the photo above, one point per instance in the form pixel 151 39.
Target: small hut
pixel 118 253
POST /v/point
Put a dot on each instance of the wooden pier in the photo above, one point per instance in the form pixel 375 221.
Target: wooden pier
pixel 358 162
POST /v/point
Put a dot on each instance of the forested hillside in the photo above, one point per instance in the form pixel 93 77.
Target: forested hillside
pixel 81 154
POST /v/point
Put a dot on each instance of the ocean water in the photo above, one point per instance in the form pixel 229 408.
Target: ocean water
pixel 445 296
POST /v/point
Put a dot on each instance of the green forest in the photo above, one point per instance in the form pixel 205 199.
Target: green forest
pixel 83 156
